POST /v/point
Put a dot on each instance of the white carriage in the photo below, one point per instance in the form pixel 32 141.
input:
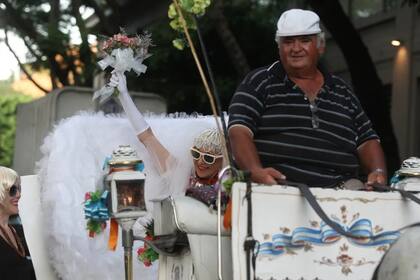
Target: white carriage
pixel 293 241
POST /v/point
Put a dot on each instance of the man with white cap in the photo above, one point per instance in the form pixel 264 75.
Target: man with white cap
pixel 294 119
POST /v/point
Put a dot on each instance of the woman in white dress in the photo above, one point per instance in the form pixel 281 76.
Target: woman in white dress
pixel 206 151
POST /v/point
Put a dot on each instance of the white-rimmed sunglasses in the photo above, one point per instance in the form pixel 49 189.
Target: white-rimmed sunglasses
pixel 207 158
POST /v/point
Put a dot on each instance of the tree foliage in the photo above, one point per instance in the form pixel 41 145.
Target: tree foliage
pixel 173 73
pixel 230 29
pixel 239 35
pixel 45 27
pixel 8 104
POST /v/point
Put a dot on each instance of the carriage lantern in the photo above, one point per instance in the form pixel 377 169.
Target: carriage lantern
pixel 125 183
pixel 126 204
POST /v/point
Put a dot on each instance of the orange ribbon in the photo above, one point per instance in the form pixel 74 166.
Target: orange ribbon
pixel 227 219
pixel 113 235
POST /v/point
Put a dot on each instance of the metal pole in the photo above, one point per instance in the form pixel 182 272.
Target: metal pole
pixel 221 176
pixel 127 240
pixel 215 91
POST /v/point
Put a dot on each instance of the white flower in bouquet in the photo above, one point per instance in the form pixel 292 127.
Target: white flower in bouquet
pixel 123 54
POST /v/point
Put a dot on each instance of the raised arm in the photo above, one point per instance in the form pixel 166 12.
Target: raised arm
pixel 142 129
pixel 247 158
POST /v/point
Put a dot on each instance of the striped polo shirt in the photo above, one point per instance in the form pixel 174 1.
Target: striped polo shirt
pixel 313 143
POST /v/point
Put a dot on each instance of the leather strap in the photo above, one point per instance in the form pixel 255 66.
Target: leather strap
pixel 250 242
pixel 403 193
pixel 306 192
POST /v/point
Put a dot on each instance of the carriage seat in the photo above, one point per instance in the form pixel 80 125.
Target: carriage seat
pixel 185 214
pixel 199 223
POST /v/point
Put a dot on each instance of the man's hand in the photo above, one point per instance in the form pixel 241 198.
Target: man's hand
pixel 372 160
pixel 376 177
pixel 268 176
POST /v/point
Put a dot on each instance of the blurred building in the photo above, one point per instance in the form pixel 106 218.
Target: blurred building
pixel 379 22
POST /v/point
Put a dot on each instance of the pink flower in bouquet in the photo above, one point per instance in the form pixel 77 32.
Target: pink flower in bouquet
pixel 125 40
pixel 141 250
pixel 139 44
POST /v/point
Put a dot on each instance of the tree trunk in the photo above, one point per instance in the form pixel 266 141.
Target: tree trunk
pixel 234 50
pixel 366 82
pixel 84 77
pixel 61 71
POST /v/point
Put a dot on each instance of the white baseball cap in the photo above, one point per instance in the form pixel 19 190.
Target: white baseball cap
pixel 296 22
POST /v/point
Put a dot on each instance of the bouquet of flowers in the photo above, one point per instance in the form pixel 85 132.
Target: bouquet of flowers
pixel 123 53
pixel 146 254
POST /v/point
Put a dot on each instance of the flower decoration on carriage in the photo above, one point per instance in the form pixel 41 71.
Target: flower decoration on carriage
pixel 96 206
pixel 146 254
pixel 96 211
pixel 190 9
pixel 123 53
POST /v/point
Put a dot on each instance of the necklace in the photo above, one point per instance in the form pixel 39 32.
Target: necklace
pixel 19 249
pixel 196 181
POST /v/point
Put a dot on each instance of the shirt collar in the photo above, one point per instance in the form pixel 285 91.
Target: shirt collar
pixel 277 70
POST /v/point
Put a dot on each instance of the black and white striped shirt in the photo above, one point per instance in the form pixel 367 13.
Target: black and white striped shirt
pixel 311 143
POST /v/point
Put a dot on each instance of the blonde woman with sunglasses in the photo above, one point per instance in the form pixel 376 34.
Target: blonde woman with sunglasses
pixel 14 261
pixel 206 150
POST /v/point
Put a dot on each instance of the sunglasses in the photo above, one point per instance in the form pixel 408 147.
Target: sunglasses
pixel 207 158
pixel 14 190
pixel 315 118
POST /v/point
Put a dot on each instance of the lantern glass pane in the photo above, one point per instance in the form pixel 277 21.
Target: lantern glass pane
pixel 130 195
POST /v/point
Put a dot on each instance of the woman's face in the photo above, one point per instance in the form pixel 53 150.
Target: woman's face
pixel 10 203
pixel 206 164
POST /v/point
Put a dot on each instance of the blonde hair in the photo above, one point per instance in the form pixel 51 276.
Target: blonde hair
pixel 210 141
pixel 7 178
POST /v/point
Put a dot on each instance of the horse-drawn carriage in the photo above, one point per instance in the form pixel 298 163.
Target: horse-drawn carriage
pixel 291 240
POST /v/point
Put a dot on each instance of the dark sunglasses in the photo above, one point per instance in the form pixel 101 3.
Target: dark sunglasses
pixel 14 190
pixel 314 111
pixel 207 158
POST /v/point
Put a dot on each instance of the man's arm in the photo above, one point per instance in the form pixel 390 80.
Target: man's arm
pixel 246 156
pixel 372 159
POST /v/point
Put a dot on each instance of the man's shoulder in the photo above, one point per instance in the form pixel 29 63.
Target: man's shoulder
pixel 260 74
pixel 340 86
pixel 339 81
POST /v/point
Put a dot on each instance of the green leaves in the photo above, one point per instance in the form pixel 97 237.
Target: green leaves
pixel 8 104
pixel 189 9
pixel 228 183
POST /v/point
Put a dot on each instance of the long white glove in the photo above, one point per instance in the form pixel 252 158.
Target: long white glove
pixel 136 119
